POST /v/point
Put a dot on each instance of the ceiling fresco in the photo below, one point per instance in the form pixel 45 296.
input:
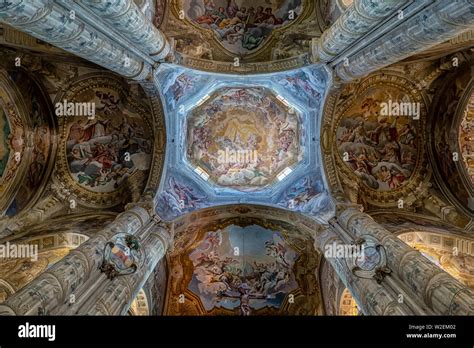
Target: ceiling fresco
pixel 253 31
pixel 273 117
pixel 378 135
pixel 242 26
pixel 245 267
pixel 38 107
pixel 96 148
pixel 244 137
pixel 382 150
pixel 26 131
pixel 104 154
pixel 258 276
pixel 450 120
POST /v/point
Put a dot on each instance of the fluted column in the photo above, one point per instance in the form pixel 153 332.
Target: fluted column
pixel 129 20
pixel 371 297
pixel 443 20
pixel 73 275
pixel 437 289
pixel 46 20
pixel 356 21
pixel 116 297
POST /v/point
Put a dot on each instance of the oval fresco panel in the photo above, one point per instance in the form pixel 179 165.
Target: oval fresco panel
pixel 378 142
pixel 107 152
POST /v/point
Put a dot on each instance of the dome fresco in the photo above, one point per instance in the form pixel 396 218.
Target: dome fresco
pixel 259 127
pixel 244 138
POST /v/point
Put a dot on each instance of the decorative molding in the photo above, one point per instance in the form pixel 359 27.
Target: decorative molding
pixel 244 67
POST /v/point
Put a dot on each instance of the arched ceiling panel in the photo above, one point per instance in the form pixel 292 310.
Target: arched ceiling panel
pixel 26 148
pixel 245 266
pixel 42 130
pixel 450 136
pixel 252 31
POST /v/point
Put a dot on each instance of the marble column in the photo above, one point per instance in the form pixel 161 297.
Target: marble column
pixel 52 23
pixel 438 290
pixel 359 19
pixel 70 278
pixel 118 294
pixel 441 21
pixel 127 18
pixel 371 297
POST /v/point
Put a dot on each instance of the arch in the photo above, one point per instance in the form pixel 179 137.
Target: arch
pixel 44 250
pixel 347 304
pixel 43 129
pixel 453 93
pixel 452 253
pixel 333 286
pixel 139 306
pixel 85 224
pixel 185 226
